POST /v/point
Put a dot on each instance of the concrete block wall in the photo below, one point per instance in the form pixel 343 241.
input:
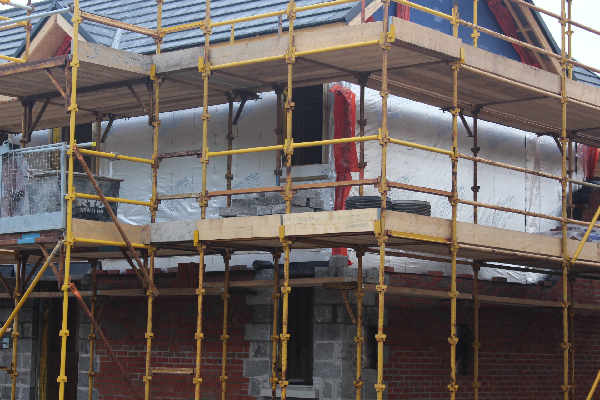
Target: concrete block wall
pixel 27 380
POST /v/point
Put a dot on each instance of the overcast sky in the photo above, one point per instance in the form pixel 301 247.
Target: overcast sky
pixel 585 44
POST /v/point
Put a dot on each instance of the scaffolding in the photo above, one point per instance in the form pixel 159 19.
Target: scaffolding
pixel 141 255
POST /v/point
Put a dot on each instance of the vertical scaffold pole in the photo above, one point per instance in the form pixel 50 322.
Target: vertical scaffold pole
pixel 275 328
pixel 570 37
pixel 565 256
pixel 572 334
pixel 453 294
pixel 28 32
pixel 225 334
pixel 14 363
pixel 362 123
pixel 229 174
pixel 285 291
pixel 384 138
pixel 475 188
pixel 475 35
pixel 279 134
pixel 204 67
pixel 290 60
pixel 92 335
pixel 199 335
pixel 155 122
pixel 64 330
pixel 359 338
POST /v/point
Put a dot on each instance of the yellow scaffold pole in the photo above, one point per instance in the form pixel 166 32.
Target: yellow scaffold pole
pixel 453 294
pixel 285 290
pixel 155 122
pixel 205 68
pixel 275 328
pixel 386 40
pixel 92 335
pixel 199 336
pixel 290 59
pixel 64 330
pixel 14 373
pixel 359 338
pixel 476 306
pixel 225 334
pixel 565 345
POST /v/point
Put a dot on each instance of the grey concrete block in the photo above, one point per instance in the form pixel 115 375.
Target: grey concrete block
pixel 342 316
pixel 327 369
pixel 321 272
pixel 324 351
pixel 84 330
pixel 264 274
pixel 323 313
pixel 238 211
pixel 255 387
pixel 337 264
pixel 326 391
pixel 262 297
pixel 257 332
pixel 323 296
pixel 371 275
pixel 253 368
pixel 260 349
pixel 262 313
pixel 326 332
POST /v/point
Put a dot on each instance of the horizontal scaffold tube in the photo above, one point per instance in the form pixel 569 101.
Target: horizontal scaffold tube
pixel 113 199
pixel 115 156
pixel 100 19
pixel 34 16
pixel 272 189
pixel 245 151
pixel 508 166
pixel 12 59
pixel 334 141
pixel 30 289
pixel 420 146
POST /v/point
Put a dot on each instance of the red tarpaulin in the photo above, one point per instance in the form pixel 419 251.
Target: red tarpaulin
pixel 346 160
pixel 590 159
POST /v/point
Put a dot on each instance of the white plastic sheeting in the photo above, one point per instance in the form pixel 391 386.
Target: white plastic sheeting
pixel 407 120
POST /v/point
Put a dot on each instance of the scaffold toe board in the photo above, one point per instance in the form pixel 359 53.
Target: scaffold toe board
pixel 355 228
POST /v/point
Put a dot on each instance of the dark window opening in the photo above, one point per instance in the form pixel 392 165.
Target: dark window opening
pixel 50 349
pixel 300 346
pixel 307 125
pixel 464 349
pixel 370 347
pixel 83 134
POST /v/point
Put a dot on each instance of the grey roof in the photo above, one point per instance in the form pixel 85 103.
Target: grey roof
pixel 143 13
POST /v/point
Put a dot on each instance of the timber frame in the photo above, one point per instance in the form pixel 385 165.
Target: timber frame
pixel 394 56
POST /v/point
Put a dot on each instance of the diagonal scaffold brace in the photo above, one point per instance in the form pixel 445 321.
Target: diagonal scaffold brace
pixel 30 289
pixel 148 283
pixel 97 329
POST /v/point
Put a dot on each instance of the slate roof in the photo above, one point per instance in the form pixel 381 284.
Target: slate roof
pixel 143 13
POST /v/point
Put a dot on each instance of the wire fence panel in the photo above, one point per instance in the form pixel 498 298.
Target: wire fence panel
pixel 32 188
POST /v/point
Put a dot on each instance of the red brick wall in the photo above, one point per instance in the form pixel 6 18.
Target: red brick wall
pixel 520 356
pixel 124 323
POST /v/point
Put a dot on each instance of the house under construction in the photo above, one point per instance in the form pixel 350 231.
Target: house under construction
pixel 332 332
